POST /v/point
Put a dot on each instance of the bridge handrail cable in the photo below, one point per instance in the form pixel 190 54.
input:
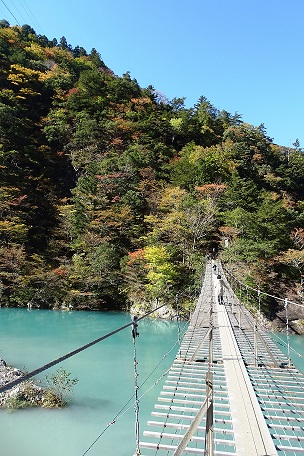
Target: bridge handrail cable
pixel 261 323
pixel 259 291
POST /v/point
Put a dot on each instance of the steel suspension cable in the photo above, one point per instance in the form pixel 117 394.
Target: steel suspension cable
pixel 11 12
pixel 286 303
pixel 43 368
pixel 261 292
pixel 287 331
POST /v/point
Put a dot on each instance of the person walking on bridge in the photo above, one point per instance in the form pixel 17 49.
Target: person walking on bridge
pixel 219 289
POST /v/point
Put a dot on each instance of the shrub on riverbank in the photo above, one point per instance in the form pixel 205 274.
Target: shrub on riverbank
pixel 31 394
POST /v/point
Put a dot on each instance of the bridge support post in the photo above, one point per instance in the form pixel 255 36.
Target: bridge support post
pixel 211 337
pixel 209 438
pixel 287 331
pixel 255 344
pixel 209 393
pixel 136 404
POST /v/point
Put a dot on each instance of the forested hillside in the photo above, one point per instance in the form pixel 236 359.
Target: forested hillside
pixel 111 194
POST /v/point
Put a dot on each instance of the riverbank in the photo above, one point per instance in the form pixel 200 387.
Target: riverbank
pixel 26 394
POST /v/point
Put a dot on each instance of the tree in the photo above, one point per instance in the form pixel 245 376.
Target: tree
pixel 60 388
pixel 162 274
pixel 4 23
pixel 294 258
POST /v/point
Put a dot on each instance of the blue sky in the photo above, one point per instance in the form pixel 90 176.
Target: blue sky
pixel 245 56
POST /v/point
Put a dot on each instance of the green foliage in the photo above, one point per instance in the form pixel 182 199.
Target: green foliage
pixel 60 388
pixel 111 194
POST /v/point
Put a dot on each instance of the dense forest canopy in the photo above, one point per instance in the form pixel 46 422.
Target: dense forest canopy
pixel 111 195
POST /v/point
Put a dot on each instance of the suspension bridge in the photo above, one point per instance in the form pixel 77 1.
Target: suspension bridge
pixel 230 390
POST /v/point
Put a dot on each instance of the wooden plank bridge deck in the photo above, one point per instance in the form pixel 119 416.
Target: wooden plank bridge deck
pixel 230 389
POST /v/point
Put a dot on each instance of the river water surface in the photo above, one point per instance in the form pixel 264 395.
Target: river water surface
pixel 105 375
pixel 106 379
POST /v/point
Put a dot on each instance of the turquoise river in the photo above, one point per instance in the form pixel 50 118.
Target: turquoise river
pixel 105 372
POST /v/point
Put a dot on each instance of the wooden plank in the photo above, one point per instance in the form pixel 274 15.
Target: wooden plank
pixel 166 435
pixel 298 438
pixel 217 382
pixel 290 449
pixel 155 446
pixel 218 402
pixel 186 426
pixel 270 409
pixel 160 446
pixel 283 418
pixel 187 417
pixel 286 427
pixel 176 394
pixel 219 390
pixel 187 409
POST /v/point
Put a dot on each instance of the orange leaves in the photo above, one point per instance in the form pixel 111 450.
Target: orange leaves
pixel 211 189
pixel 72 91
pixel 135 256
pixel 123 124
pixel 60 272
pixel 117 142
pixel 111 176
pixel 140 103
pixel 18 201
pixel 257 157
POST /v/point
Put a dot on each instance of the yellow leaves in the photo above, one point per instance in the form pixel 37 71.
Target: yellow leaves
pixel 62 54
pixel 161 272
pixel 9 34
pixel 272 179
pixel 12 258
pixel 196 153
pixel 219 157
pixel 176 124
pixel 35 50
pixel 26 91
pixel 156 255
pixel 6 225
pixel 293 257
pixel 13 231
pixel 15 79
pixel 26 79
pixel 21 75
pixel 37 259
pixel 141 102
pixel 112 220
pixel 171 198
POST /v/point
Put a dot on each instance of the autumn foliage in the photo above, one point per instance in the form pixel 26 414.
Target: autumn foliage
pixel 111 194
